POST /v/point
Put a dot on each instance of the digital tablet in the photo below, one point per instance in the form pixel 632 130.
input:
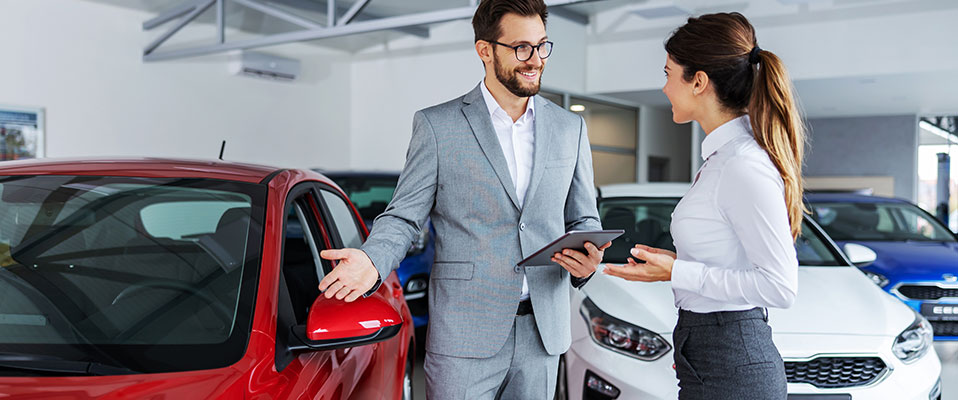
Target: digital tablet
pixel 575 240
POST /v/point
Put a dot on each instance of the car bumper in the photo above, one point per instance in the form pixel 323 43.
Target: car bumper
pixel 636 379
pixel 915 380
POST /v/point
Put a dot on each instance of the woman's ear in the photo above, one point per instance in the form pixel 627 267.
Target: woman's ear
pixel 700 82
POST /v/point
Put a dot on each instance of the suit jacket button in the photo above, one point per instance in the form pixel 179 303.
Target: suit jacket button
pixel 522 226
pixel 518 269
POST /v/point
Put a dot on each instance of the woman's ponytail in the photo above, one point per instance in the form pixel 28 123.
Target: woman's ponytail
pixel 778 128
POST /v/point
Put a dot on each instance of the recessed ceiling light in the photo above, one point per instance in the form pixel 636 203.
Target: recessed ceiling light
pixel 577 107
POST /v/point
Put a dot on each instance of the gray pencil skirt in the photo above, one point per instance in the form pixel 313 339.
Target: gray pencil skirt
pixel 727 355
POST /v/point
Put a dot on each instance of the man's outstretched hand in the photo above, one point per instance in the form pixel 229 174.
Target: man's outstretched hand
pixel 353 276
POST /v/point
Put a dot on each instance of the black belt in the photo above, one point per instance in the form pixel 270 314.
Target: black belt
pixel 525 307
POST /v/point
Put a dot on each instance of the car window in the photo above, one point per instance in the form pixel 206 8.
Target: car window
pixel 303 269
pixel 176 220
pixel 369 195
pixel 113 262
pixel 647 221
pixel 343 220
pixel 878 222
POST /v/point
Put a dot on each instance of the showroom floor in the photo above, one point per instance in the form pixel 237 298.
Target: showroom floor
pixel 947 351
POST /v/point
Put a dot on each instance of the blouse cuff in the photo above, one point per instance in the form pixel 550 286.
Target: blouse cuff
pixel 687 275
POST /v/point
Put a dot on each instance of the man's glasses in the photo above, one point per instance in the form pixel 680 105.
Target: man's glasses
pixel 524 51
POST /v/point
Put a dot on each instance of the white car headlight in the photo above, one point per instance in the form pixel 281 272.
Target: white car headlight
pixel 622 337
pixel 879 279
pixel 914 341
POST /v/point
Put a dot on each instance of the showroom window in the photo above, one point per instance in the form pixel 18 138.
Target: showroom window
pixel 613 132
pixel 938 144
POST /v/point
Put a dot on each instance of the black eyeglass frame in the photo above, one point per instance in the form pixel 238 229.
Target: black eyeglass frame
pixel 536 49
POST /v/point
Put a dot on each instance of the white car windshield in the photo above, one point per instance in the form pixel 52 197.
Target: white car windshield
pixel 646 220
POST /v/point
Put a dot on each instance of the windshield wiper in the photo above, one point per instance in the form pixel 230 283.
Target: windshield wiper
pixel 38 363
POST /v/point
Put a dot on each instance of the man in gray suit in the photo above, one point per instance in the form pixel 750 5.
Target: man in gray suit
pixel 502 172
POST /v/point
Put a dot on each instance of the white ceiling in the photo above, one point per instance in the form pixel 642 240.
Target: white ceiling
pixel 929 93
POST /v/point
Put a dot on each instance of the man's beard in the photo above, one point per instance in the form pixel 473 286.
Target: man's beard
pixel 510 80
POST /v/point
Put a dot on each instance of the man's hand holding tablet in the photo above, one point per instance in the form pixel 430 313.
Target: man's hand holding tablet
pixel 574 251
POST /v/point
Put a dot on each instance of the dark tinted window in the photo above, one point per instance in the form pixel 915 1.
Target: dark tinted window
pixel 647 221
pixel 343 219
pixel 302 267
pixel 369 195
pixel 139 269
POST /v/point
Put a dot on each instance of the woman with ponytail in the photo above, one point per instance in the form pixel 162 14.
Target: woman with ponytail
pixel 734 231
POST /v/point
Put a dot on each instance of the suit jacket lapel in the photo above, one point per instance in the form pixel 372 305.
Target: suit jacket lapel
pixel 477 114
pixel 543 130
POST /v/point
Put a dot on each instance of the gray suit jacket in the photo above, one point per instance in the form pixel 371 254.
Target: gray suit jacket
pixel 456 173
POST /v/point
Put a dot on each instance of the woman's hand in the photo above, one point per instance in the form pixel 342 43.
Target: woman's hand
pixel 655 250
pixel 656 265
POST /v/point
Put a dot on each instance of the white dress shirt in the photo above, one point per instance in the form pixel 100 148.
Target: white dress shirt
pixel 517 140
pixel 731 230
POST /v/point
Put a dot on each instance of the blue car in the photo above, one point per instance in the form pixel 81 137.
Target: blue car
pixel 902 248
pixel 371 193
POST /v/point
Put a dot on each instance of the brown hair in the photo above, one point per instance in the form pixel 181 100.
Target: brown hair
pixel 485 23
pixel 747 78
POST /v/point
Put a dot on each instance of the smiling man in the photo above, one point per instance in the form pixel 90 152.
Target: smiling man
pixel 502 172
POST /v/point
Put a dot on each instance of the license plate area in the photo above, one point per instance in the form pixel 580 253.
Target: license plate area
pixel 940 312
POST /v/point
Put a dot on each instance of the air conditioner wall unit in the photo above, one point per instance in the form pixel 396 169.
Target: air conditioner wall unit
pixel 266 66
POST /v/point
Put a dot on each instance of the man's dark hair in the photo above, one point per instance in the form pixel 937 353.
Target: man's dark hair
pixel 485 23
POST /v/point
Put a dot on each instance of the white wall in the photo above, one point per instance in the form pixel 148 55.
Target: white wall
pixel 870 40
pixel 81 62
pixel 391 82
pixel 660 137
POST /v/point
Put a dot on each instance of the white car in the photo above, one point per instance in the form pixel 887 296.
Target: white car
pixel 843 338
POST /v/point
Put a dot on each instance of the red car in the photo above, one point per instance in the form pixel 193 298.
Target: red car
pixel 173 279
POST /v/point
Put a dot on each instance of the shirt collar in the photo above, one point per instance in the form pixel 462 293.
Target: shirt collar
pixel 724 134
pixel 493 105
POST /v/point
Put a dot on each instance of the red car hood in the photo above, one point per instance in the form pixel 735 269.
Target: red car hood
pixel 215 383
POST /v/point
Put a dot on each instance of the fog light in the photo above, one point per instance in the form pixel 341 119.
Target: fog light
pixel 598 389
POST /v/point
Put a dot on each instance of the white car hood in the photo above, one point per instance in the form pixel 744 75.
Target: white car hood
pixel 831 300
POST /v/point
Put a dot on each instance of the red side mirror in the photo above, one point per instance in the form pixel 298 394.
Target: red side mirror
pixel 337 320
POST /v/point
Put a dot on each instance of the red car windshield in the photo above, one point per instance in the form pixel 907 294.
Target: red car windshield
pixel 146 274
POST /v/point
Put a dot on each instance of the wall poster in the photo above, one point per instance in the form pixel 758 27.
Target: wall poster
pixel 21 133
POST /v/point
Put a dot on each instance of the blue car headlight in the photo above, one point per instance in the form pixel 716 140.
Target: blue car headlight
pixel 622 337
pixel 914 341
pixel 419 245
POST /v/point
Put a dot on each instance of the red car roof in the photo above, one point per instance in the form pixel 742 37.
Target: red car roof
pixel 145 167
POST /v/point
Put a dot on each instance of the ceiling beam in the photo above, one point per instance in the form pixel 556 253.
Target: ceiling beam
pixel 321 6
pixel 279 13
pixel 314 31
pixel 171 14
pixel 314 34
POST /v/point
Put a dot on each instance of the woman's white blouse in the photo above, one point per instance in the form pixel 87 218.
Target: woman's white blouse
pixel 731 230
